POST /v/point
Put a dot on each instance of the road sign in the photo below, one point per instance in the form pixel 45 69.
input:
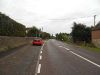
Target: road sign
pixel 36 35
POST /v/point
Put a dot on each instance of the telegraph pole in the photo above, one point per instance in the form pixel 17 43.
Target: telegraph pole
pixel 41 32
pixel 94 19
pixel 42 28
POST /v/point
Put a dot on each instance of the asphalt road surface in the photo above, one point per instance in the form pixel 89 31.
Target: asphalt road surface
pixel 57 58
pixel 53 58
pixel 21 61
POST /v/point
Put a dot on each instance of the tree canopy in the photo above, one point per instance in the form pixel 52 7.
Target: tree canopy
pixel 46 35
pixel 9 27
pixel 33 32
pixel 62 36
pixel 81 33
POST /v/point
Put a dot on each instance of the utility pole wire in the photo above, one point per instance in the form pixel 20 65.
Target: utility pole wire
pixel 73 18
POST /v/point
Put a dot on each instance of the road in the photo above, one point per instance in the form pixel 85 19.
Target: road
pixel 53 58
pixel 22 61
pixel 57 58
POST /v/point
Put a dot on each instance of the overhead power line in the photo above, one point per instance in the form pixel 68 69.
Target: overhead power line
pixel 73 18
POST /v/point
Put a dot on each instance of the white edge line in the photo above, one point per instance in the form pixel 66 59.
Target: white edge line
pixel 67 49
pixel 85 59
pixel 36 70
pixel 82 57
pixel 64 48
pixel 60 46
pixel 39 68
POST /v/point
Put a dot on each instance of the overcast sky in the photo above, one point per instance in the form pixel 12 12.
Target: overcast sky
pixel 53 15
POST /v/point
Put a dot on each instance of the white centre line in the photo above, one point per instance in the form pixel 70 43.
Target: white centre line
pixel 41 52
pixel 39 68
pixel 40 57
pixel 42 47
pixel 85 59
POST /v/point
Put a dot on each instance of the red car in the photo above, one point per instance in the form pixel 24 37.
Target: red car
pixel 37 42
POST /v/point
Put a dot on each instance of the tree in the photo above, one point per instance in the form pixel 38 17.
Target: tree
pixel 62 36
pixel 9 27
pixel 34 32
pixel 87 34
pixel 45 35
pixel 81 33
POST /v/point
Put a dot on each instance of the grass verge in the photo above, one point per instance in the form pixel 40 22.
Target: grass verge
pixel 90 47
pixel 95 49
pixel 8 48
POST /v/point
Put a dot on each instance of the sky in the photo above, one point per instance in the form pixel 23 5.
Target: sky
pixel 53 15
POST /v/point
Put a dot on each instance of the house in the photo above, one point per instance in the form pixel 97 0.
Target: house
pixel 96 35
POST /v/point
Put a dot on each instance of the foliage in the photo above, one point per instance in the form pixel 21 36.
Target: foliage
pixel 45 35
pixel 9 27
pixel 81 33
pixel 62 36
pixel 33 32
pixel 52 36
pixel 91 47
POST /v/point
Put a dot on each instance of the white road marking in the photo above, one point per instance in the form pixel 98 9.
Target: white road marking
pixel 85 59
pixel 40 57
pixel 39 65
pixel 39 68
pixel 42 47
pixel 60 46
pixel 82 57
pixel 67 49
pixel 64 48
pixel 41 52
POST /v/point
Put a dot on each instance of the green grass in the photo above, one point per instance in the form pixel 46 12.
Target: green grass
pixel 95 49
pixel 8 48
pixel 90 47
pixel 3 49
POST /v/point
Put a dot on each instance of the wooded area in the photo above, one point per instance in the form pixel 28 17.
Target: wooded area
pixel 9 27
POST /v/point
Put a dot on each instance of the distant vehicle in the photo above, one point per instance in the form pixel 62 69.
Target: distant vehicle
pixel 37 42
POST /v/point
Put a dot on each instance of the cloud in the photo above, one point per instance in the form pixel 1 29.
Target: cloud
pixel 53 15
